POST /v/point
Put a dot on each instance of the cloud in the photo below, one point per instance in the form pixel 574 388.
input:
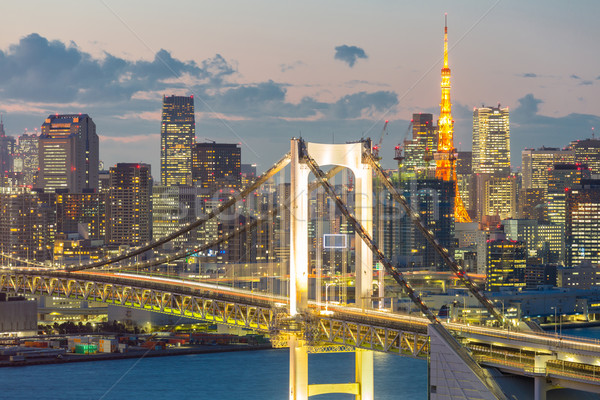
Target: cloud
pixel 529 75
pixel 529 129
pixel 586 83
pixel 349 54
pixel 37 69
pixel 574 76
pixel 292 66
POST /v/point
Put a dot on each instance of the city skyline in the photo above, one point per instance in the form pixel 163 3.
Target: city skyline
pixel 329 73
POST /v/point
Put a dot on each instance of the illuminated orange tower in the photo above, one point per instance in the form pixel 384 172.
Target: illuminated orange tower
pixel 446 153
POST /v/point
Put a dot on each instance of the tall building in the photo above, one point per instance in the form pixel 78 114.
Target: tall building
pixel 26 231
pixel 81 213
pixel 26 158
pixel 7 149
pixel 582 224
pixel 491 141
pixel 537 163
pixel 497 196
pixel 445 169
pixel 173 207
pixel 506 261
pixel 177 135
pixel 129 207
pixel 216 165
pixel 464 180
pixel 587 152
pixel 68 153
pixel 418 152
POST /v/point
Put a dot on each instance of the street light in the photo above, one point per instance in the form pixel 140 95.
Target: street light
pixel 554 308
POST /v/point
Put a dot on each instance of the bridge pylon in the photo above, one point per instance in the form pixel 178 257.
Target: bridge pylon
pixel 350 156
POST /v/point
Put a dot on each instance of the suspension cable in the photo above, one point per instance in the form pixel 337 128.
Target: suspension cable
pixel 358 228
pixel 428 234
pixel 278 166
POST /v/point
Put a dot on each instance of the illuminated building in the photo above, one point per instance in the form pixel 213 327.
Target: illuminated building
pixel 491 141
pixel 582 223
pixel 445 156
pixel 26 158
pixel 418 152
pixel 7 149
pixel 177 135
pixel 434 201
pixel 497 196
pixel 560 179
pixel 25 229
pixel 216 165
pixel 587 152
pixel 537 163
pixel 532 204
pixel 68 153
pixel 464 180
pixel 173 207
pixel 129 207
pixel 82 213
pixel 506 261
pixel 248 172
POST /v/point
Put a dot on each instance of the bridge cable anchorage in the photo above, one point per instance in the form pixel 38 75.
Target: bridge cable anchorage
pixel 278 166
pixel 358 228
pixel 248 226
pixel 454 266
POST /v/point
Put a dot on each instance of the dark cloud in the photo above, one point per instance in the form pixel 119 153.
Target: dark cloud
pixel 349 54
pixel 40 70
pixel 529 75
pixel 575 76
pixel 586 83
pixel 528 129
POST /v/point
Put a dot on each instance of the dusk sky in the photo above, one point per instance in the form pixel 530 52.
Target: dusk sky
pixel 262 72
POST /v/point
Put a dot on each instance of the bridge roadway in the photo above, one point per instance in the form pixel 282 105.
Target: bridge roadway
pixel 565 361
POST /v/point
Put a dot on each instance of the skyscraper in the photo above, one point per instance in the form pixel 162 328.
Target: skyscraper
pixel 445 156
pixel 177 135
pixel 7 149
pixel 582 223
pixel 506 261
pixel 216 165
pixel 537 163
pixel 26 158
pixel 68 153
pixel 418 152
pixel 587 152
pixel 129 208
pixel 491 141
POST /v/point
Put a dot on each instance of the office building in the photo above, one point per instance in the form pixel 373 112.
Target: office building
pixel 129 207
pixel 25 160
pixel 582 224
pixel 434 201
pixel 532 204
pixel 491 141
pixel 174 207
pixel 506 261
pixel 464 181
pixel 587 152
pixel 68 153
pixel 419 150
pixel 81 213
pixel 537 163
pixel 26 231
pixel 216 165
pixel 177 135
pixel 497 196
pixel 248 174
pixel 7 149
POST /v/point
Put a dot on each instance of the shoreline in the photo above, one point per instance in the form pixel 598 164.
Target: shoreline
pixel 200 349
pixel 571 325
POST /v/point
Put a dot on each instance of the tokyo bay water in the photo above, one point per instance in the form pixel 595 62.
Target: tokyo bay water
pixel 250 375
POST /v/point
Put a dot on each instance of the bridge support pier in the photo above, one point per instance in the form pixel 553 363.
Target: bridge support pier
pixel 540 388
pixel 362 388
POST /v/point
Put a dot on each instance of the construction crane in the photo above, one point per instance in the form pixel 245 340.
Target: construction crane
pixel 399 156
pixel 376 148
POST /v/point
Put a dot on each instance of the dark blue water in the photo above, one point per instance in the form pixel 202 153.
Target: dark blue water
pixel 251 375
